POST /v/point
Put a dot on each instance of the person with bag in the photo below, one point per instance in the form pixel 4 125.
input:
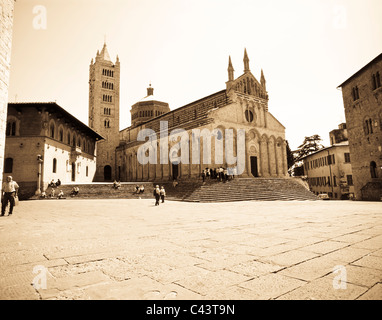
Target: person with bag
pixel 157 195
pixel 9 194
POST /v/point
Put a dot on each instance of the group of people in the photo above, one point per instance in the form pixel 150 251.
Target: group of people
pixel 53 185
pixel 139 189
pixel 159 194
pixel 117 185
pixel 221 174
pixel 56 184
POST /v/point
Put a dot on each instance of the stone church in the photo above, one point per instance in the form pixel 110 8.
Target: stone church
pixel 241 106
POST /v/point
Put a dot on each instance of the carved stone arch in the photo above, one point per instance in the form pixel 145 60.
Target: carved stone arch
pixel 264 138
pixel 252 134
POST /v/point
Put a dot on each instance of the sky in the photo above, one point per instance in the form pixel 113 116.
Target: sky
pixel 306 48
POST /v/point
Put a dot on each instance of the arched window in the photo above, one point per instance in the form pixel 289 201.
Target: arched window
pixel 74 141
pixel 68 138
pixel 54 165
pixel 11 128
pixel 61 135
pixel 249 115
pixel 51 130
pixel 373 169
pixel 79 142
pixel 8 165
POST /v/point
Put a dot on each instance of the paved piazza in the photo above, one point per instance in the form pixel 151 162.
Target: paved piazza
pixel 130 249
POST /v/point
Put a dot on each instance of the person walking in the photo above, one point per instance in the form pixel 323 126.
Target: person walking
pixel 9 192
pixel 157 195
pixel 162 192
pixel 204 175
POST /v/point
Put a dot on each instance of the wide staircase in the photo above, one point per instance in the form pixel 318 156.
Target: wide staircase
pixel 212 190
pixel 242 189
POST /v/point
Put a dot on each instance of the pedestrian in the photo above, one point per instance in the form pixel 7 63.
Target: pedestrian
pixel 75 191
pixel 162 193
pixel 9 192
pixel 204 175
pixel 141 189
pixel 58 183
pixel 157 195
pixel 52 184
pixel 52 193
pixel 225 173
pixel 61 195
pixel 137 189
pixel 208 173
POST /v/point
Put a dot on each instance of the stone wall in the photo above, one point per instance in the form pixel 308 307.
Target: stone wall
pixel 6 26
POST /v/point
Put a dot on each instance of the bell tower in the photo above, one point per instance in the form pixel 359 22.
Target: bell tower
pixel 104 81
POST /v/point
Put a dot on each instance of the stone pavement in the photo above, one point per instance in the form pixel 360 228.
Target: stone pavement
pixel 130 249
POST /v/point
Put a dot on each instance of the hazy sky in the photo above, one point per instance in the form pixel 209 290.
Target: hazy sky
pixel 305 47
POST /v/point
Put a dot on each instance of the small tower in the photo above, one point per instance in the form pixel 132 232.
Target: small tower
pixel 104 81
pixel 230 70
pixel 262 80
pixel 246 61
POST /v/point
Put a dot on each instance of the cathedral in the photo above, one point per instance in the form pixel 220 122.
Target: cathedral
pixel 242 107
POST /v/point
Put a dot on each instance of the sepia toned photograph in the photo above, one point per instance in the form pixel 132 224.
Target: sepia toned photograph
pixel 206 152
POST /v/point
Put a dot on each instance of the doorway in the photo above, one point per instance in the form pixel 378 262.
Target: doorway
pixel 254 169
pixel 175 171
pixel 107 173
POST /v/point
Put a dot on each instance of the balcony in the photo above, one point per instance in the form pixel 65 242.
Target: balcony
pixel 75 152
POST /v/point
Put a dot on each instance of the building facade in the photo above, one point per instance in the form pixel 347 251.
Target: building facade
pixel 45 142
pixel 362 97
pixel 104 82
pixel 329 171
pixel 6 27
pixel 241 107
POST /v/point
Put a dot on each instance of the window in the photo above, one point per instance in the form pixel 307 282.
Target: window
pixel 376 81
pixel 249 115
pixel 355 93
pixel 373 169
pixel 68 138
pixel 8 165
pixel 61 135
pixel 11 128
pixel 54 165
pixel 349 179
pixel 51 130
pixel 347 157
pixel 87 171
pixel 334 181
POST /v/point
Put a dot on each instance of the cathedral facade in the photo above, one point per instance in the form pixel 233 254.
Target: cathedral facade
pixel 235 115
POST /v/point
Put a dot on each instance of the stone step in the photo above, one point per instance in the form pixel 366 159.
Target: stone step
pixel 212 190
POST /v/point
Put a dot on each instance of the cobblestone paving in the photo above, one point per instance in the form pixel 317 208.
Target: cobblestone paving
pixel 130 249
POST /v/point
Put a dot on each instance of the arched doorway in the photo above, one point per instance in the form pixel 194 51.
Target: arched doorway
pixel 73 171
pixel 107 173
pixel 254 169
